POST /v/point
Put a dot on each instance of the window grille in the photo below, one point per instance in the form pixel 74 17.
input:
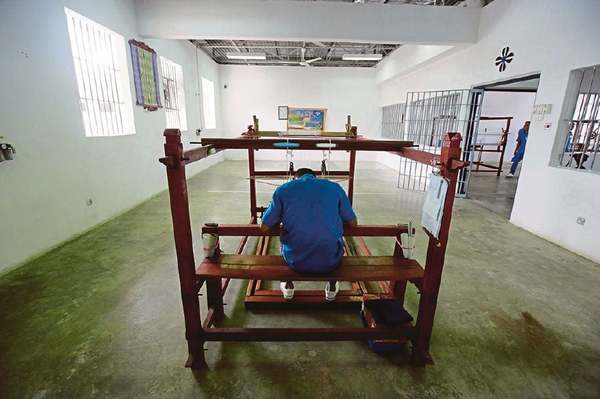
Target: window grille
pixel 173 90
pixel 429 115
pixel 392 120
pixel 99 57
pixel 208 104
pixel 581 120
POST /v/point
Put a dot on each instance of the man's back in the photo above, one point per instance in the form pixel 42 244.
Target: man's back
pixel 313 212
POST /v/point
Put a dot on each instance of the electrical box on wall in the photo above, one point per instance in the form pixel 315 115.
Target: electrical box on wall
pixel 541 110
pixel 7 151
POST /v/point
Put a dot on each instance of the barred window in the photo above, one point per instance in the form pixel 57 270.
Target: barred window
pixel 578 128
pixel 392 120
pixel 99 57
pixel 172 84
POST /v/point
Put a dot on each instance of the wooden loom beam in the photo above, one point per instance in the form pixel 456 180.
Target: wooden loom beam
pixel 182 230
pixel 436 252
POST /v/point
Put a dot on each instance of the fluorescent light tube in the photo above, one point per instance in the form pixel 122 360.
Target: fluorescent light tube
pixel 362 57
pixel 246 56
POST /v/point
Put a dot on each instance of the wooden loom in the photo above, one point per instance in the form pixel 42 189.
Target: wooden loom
pixel 500 147
pixel 392 272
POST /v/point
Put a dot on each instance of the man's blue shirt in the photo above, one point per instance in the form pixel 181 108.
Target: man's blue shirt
pixel 313 212
pixel 522 140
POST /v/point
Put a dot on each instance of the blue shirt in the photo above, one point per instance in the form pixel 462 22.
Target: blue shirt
pixel 313 212
pixel 522 142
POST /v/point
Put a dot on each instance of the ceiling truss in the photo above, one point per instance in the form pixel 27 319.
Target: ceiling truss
pixel 290 53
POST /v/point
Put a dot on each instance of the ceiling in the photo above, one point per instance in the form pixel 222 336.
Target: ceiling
pixel 415 2
pixel 286 53
pixel 322 53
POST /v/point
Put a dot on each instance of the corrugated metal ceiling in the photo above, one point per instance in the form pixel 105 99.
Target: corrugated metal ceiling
pixel 290 53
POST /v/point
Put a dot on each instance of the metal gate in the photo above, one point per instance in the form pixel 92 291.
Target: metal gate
pixel 428 116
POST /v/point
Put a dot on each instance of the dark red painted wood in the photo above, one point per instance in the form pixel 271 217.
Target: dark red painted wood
pixel 182 230
pixel 272 267
pixel 428 280
pixel 436 251
pixel 342 144
pixel 306 334
pixel 349 231
pixel 351 181
pixel 253 211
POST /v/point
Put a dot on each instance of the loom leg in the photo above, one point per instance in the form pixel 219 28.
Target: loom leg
pixel 398 289
pixel 214 297
pixel 424 327
pixel 196 360
pixel 427 305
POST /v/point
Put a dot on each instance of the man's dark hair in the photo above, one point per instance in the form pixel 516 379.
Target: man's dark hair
pixel 304 171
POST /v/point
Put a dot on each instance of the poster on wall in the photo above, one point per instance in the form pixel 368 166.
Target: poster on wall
pixel 306 119
pixel 145 75
pixel 282 112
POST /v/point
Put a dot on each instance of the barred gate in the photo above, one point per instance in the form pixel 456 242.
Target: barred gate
pixel 425 118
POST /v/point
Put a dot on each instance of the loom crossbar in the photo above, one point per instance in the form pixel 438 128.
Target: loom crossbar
pixel 254 230
pixel 272 267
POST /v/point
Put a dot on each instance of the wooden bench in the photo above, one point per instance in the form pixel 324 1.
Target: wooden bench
pixel 272 267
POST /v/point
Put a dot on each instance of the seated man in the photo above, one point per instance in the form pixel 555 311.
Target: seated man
pixel 313 212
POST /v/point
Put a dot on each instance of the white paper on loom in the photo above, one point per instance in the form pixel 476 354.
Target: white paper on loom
pixel 433 208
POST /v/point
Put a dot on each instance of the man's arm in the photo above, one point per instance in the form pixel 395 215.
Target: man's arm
pixel 519 141
pixel 264 228
pixel 346 212
pixel 272 215
pixel 352 223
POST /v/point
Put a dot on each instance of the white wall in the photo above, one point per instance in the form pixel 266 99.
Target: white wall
pixel 56 168
pixel 547 36
pixel 307 20
pixel 519 105
pixel 409 57
pixel 256 90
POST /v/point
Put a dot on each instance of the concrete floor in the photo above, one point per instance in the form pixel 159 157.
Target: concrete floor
pixel 496 194
pixel 518 317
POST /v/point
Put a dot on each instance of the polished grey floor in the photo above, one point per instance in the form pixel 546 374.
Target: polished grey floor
pixel 100 317
pixel 494 193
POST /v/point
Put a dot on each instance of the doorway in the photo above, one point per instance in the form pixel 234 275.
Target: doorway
pixel 505 108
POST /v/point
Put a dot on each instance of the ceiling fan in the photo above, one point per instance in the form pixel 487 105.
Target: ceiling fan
pixel 304 62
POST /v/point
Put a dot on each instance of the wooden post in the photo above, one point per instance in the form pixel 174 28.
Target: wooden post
pixel 352 168
pixel 436 251
pixel 251 172
pixel 351 175
pixel 504 140
pixel 182 231
pixel 214 297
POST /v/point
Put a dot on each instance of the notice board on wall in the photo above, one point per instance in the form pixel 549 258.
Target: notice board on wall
pixel 307 119
pixel 145 75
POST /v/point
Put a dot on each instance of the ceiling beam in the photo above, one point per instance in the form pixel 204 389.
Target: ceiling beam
pixel 320 21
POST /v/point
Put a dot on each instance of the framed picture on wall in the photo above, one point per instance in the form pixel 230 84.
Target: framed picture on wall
pixel 145 75
pixel 307 119
pixel 282 112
